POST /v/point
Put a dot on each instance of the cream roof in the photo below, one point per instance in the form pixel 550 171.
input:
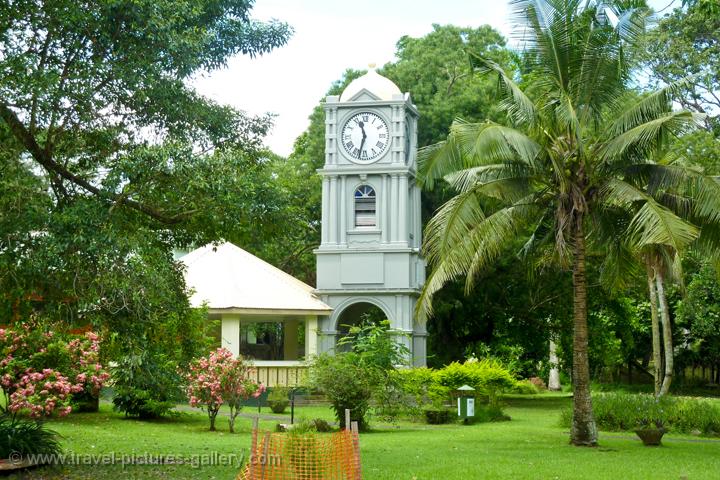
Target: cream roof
pixel 373 82
pixel 231 280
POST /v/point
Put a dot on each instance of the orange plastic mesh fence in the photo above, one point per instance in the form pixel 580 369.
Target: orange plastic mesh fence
pixel 293 456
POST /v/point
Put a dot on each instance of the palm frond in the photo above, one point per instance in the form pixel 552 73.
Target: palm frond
pixel 644 137
pixel 653 224
pixel 632 22
pixel 619 267
pixel 656 225
pixel 474 144
pixel 647 108
pixel 451 224
pixel 473 252
pixel 490 237
pixel 706 192
pixel 437 160
pixel 567 116
pixel 518 105
pixel 684 189
pixel 488 142
pixel 540 235
pixel 505 182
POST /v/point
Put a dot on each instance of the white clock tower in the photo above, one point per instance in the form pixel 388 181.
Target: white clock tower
pixel 371 232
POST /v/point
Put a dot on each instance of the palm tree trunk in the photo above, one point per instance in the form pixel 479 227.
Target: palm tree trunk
pixel 656 349
pixel 667 333
pixel 584 430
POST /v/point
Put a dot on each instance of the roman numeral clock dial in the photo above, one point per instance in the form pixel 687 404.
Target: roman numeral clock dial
pixel 365 137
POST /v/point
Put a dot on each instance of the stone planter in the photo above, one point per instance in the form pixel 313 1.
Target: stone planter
pixel 651 436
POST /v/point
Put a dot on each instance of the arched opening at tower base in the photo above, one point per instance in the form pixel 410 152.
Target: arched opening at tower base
pixel 354 315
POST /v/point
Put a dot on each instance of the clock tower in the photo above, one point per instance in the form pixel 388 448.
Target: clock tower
pixel 369 257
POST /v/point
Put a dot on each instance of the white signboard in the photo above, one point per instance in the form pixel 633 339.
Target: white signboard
pixel 470 407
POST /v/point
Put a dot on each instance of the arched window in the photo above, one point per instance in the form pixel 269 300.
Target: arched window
pixel 365 206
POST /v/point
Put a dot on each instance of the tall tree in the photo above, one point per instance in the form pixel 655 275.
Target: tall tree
pixel 437 71
pixel 699 314
pixel 94 92
pixel 577 148
pixel 110 159
pixel 687 42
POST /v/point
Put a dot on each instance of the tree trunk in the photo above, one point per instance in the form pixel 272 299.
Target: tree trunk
pixel 584 430
pixel 667 333
pixel 212 415
pixel 231 422
pixel 657 353
pixel 234 412
pixel 554 378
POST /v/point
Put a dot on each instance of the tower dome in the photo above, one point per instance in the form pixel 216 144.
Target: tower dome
pixel 373 82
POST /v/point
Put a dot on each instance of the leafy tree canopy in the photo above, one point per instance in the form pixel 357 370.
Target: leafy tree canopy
pixel 94 94
pixel 109 160
pixel 687 42
pixel 436 70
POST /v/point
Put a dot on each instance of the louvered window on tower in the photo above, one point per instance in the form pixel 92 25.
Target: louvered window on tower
pixel 365 206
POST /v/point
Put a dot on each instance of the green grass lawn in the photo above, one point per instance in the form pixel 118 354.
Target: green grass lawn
pixel 531 446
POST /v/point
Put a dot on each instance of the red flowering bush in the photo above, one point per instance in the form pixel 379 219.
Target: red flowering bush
pixel 41 371
pixel 221 379
pixel 42 393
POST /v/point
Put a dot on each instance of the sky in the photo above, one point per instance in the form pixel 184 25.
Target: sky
pixel 330 37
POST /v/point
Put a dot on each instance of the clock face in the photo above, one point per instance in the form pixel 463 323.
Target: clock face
pixel 365 137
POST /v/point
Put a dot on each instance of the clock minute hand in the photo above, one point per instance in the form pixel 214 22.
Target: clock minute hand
pixel 364 136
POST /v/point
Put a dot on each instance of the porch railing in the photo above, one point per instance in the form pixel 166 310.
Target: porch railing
pixel 279 374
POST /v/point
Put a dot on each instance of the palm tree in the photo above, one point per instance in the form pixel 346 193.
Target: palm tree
pixel 687 198
pixel 576 150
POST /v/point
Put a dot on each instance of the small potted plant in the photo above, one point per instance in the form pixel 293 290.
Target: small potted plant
pixel 651 433
pixel 651 420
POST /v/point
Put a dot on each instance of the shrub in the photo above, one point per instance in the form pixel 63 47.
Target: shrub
pixel 375 346
pixel 278 399
pixel 379 352
pixel 489 377
pixel 489 413
pixel 40 370
pixel 321 425
pixel 305 425
pixel 525 387
pixel 538 382
pixel 694 414
pixel 347 383
pixel 140 403
pixel 146 385
pixel 26 437
pixel 221 379
pixel 437 416
pixel 624 411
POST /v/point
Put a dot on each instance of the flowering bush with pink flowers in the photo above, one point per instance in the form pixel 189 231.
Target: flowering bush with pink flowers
pixel 41 371
pixel 221 379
